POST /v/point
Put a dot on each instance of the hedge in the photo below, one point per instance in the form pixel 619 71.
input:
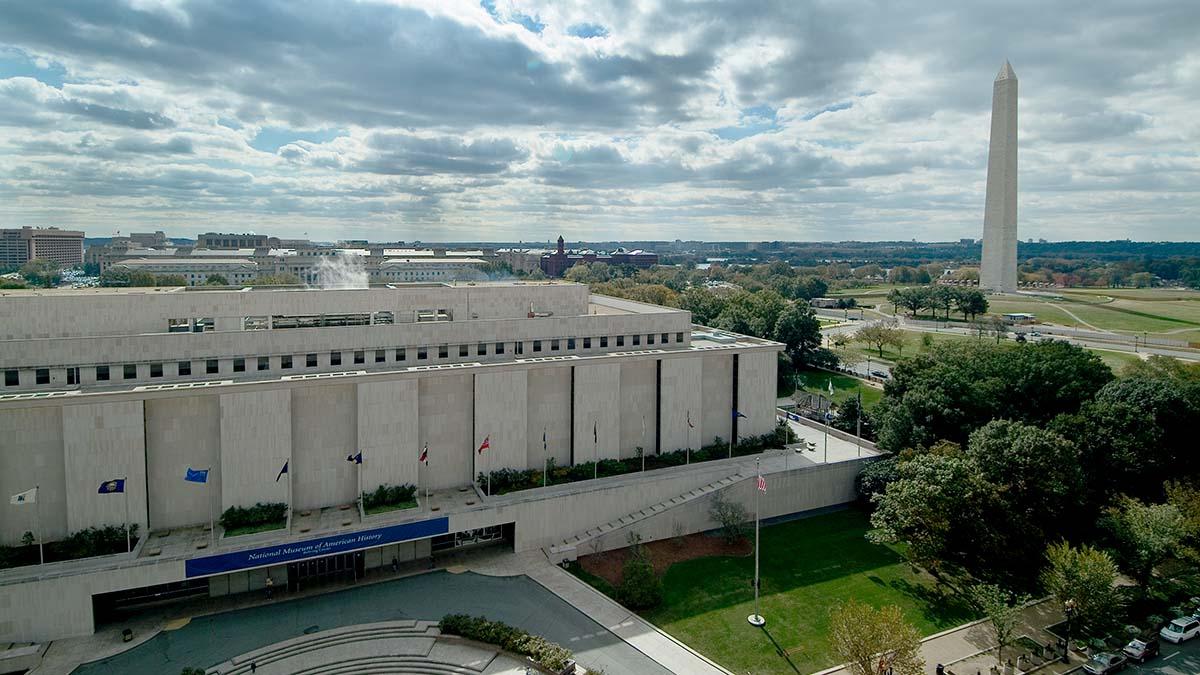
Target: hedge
pixel 236 517
pixel 400 496
pixel 512 480
pixel 85 543
pixel 508 638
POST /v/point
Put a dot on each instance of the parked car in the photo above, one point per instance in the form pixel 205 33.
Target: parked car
pixel 1105 663
pixel 1034 333
pixel 1183 628
pixel 1141 649
pixel 880 374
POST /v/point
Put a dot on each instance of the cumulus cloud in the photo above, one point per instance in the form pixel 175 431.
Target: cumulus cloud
pixel 513 119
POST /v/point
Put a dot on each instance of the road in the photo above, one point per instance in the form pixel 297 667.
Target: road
pixel 1181 659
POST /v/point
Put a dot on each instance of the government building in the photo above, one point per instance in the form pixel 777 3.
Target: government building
pixel 189 401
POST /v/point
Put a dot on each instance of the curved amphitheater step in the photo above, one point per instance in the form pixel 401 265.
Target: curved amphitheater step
pixel 568 549
pixel 387 647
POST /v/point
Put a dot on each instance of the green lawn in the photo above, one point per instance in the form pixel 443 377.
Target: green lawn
pixel 254 529
pixel 844 386
pixel 384 508
pixel 808 566
pixel 1116 360
pixel 913 343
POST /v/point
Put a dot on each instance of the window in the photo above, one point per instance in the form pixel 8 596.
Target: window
pixel 570 343
pixel 130 371
pixel 665 338
pixel 155 370
pixel 400 354
pixel 604 342
pixel 499 347
pixel 554 345
pixel 179 325
pixel 185 368
pixel 285 361
pixel 422 353
pixel 212 367
pixel 335 358
pixel 519 347
pixel 443 351
pixel 239 365
pixel 42 375
pixel 481 349
pixel 679 337
pixel 637 340
pixel 463 350
pixel 310 361
pixel 620 340
pixel 12 378
pixel 650 338
pixel 72 376
pixel 101 373
pixel 264 363
pixel 360 356
pixel 380 355
pixel 537 345
pixel 587 343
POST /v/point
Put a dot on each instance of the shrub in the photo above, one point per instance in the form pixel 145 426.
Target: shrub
pixel 507 637
pixel 389 495
pixel 95 541
pixel 732 517
pixel 261 513
pixel 640 587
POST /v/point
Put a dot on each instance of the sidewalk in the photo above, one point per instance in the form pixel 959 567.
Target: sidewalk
pixel 965 650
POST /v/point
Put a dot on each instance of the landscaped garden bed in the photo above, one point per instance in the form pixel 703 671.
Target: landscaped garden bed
pixel 513 480
pixel 262 517
pixel 389 498
pixel 86 543
pixel 508 638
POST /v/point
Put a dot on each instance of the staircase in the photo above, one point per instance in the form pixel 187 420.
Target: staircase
pixel 568 549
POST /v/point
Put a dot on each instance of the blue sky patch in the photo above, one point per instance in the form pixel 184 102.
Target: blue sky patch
pixel 588 30
pixel 270 139
pixel 752 121
pixel 16 63
pixel 844 105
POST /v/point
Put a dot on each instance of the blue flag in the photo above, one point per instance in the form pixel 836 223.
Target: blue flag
pixel 282 471
pixel 737 414
pixel 356 458
pixel 109 487
pixel 196 475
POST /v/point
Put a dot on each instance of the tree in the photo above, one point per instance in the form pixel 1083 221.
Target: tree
pixel 40 272
pixel 216 280
pixel 1086 576
pixel 866 638
pixel 640 586
pixel 1162 368
pixel 1003 612
pixel 170 280
pixel 1145 534
pixel 970 302
pixel 849 414
pixel 913 299
pixel 941 297
pixel 880 335
pixel 798 328
pixel 704 305
pixel 731 516
pixel 289 279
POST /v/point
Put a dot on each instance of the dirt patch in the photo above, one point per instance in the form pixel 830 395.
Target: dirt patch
pixel 663 554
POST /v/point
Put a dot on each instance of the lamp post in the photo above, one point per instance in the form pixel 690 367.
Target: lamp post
pixel 1069 610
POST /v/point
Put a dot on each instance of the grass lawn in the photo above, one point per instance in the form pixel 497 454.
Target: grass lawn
pixel 1116 360
pixel 384 508
pixel 808 566
pixel 254 529
pixel 913 342
pixel 844 386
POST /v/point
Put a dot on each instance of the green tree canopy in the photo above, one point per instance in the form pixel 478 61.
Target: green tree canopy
pixel 1085 576
pixel 864 638
pixel 40 272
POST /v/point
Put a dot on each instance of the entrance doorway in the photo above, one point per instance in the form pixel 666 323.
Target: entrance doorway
pixel 338 567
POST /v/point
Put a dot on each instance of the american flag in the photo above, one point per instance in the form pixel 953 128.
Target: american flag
pixel 762 483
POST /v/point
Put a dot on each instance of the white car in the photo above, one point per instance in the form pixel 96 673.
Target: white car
pixel 1183 628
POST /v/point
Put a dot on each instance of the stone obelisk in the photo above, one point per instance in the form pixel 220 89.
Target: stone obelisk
pixel 999 270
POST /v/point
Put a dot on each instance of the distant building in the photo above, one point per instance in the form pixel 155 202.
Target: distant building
pixel 233 241
pixel 824 303
pixel 557 263
pixel 19 246
pixel 1020 317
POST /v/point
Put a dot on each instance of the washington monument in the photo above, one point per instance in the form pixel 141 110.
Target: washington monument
pixel 999 270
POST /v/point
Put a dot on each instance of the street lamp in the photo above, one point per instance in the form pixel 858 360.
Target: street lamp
pixel 1069 610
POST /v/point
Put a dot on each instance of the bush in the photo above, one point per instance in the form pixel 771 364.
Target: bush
pixel 507 637
pixel 640 587
pixel 236 517
pixel 875 477
pixel 94 541
pixel 732 516
pixel 389 495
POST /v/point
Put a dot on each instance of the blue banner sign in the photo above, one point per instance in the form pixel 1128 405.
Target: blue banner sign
pixel 341 543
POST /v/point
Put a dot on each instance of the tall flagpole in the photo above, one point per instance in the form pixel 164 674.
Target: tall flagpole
pixel 858 433
pixel 37 519
pixel 125 485
pixel 212 521
pixel 756 618
pixel 489 468
pixel 595 452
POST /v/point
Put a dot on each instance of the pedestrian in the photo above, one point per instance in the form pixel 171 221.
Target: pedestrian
pixel 395 565
pixel 270 586
pixel 253 667
pixel 941 670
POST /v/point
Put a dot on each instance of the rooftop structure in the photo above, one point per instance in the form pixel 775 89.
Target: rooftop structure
pixel 19 246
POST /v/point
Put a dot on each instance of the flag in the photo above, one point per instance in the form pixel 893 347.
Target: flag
pixel 485 444
pixel 196 475
pixel 595 434
pixel 282 471
pixel 689 418
pixel 424 456
pixel 762 483
pixel 356 458
pixel 545 448
pixel 643 425
pixel 737 414
pixel 27 497
pixel 113 486
pixel 831 388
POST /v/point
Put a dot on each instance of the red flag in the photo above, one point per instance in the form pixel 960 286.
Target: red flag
pixel 424 454
pixel 484 445
pixel 762 483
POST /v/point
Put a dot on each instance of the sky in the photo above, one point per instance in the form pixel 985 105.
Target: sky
pixel 507 120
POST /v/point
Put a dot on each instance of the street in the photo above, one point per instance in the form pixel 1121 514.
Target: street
pixel 1181 659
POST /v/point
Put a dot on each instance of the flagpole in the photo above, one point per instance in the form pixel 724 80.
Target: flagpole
pixel 212 521
pixel 489 468
pixel 125 485
pixel 858 433
pixel 595 453
pixel 756 618
pixel 37 519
